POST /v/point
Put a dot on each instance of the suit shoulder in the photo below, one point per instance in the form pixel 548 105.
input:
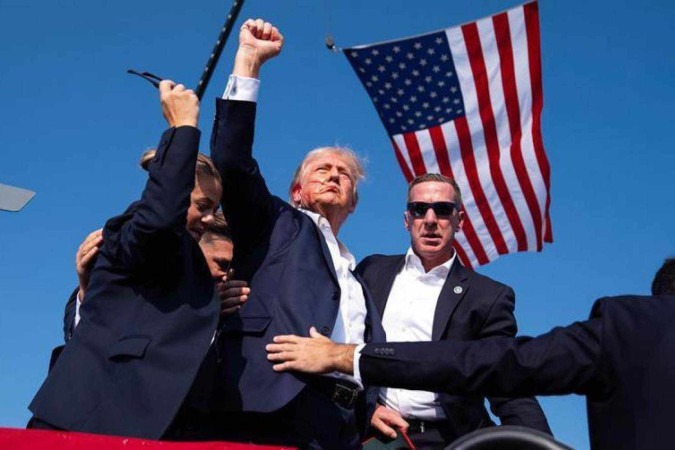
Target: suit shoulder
pixel 634 305
pixel 376 261
pixel 484 282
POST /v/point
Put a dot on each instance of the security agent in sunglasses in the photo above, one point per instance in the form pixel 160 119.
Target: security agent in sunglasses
pixel 427 295
pixel 622 359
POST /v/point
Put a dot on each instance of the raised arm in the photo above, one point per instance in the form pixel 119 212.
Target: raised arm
pixel 150 230
pixel 246 201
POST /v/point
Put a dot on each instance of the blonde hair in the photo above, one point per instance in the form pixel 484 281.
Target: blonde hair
pixel 204 164
pixel 353 161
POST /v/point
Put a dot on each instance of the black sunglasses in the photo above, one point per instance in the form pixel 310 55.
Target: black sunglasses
pixel 441 209
pixel 152 78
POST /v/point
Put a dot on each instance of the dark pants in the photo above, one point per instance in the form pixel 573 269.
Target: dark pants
pixel 431 436
pixel 310 421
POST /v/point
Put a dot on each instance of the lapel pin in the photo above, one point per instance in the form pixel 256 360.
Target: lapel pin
pixel 458 290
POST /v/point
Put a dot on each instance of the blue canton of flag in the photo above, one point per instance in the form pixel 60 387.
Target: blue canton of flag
pixel 412 82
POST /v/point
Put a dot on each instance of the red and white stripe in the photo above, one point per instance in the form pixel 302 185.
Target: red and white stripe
pixel 495 152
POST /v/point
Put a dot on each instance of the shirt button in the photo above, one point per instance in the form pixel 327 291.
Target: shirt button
pixel 325 331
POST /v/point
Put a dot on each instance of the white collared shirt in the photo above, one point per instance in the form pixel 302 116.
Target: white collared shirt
pixel 350 324
pixel 409 317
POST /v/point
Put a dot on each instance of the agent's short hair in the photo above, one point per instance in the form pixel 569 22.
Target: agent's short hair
pixel 437 177
pixel 664 280
pixel 353 161
pixel 218 227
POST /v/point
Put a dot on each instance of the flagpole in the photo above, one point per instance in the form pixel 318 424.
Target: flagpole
pixel 218 48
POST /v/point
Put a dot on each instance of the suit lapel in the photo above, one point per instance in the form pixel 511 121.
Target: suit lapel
pixel 454 289
pixel 374 330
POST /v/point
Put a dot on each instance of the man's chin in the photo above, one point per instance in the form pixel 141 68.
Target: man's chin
pixel 330 201
pixel 431 244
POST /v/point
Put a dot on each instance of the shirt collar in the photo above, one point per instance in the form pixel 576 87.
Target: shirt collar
pixel 413 262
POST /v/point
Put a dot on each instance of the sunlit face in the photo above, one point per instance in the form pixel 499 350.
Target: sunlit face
pixel 431 236
pixel 327 183
pixel 204 201
pixel 218 253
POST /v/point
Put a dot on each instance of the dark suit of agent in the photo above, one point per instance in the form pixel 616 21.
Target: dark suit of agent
pixel 427 295
pixel 298 272
pixel 470 306
pixel 622 359
pixel 149 315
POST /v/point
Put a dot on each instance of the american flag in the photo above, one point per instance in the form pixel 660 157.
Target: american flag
pixel 466 102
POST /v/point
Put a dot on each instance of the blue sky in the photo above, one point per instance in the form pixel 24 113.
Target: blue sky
pixel 74 125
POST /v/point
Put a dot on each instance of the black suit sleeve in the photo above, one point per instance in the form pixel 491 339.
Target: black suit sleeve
pixel 524 411
pixel 246 201
pixel 150 232
pixel 563 361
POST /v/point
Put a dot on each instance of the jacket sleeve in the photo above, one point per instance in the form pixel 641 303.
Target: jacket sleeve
pixel 563 361
pixel 247 203
pixel 150 231
pixel 524 411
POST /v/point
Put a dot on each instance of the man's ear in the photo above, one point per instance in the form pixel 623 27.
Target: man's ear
pixel 406 221
pixel 460 222
pixel 355 201
pixel 296 194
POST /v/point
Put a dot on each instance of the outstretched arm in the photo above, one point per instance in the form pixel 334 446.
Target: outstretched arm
pixel 315 354
pixel 562 361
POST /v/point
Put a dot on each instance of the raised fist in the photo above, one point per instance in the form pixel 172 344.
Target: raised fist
pixel 258 42
pixel 180 106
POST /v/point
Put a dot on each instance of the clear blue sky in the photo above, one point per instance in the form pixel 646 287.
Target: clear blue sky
pixel 74 124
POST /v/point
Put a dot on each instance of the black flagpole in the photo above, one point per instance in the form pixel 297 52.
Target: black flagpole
pixel 218 49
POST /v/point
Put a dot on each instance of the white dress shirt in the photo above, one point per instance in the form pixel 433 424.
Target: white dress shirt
pixel 409 317
pixel 350 324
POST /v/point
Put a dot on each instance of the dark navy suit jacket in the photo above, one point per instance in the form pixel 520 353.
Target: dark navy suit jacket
pixel 283 256
pixel 470 306
pixel 149 315
pixel 622 359
pixel 68 327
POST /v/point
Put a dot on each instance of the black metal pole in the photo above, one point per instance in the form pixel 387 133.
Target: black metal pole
pixel 218 48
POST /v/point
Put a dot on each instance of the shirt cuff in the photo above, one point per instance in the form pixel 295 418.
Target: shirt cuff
pixel 242 88
pixel 78 303
pixel 357 359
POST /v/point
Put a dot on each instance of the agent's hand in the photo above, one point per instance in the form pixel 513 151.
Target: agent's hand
pixel 315 354
pixel 387 421
pixel 180 106
pixel 86 257
pixel 258 42
pixel 233 294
